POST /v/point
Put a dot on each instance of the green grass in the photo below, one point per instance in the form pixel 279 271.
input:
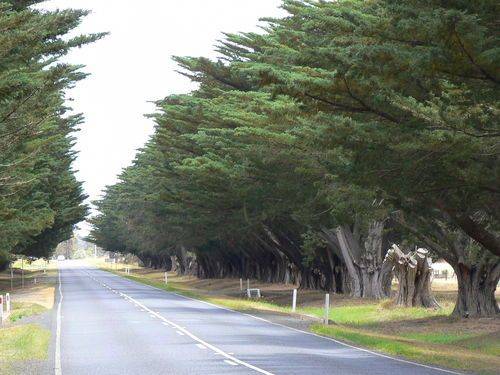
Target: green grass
pixel 439 337
pixel 489 345
pixel 376 313
pixel 22 343
pixel 23 309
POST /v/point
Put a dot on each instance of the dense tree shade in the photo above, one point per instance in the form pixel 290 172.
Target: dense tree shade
pixel 309 149
pixel 40 199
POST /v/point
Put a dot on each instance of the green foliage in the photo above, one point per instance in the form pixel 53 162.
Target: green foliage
pixel 40 199
pixel 339 113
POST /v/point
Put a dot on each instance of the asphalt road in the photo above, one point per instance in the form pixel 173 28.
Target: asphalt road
pixel 111 325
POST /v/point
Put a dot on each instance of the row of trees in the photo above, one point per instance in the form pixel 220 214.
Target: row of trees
pixel 309 149
pixel 40 199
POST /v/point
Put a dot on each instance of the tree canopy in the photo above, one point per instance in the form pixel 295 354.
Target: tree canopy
pixel 308 149
pixel 40 199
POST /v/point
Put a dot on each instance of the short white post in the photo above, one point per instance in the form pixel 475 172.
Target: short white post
pixel 34 280
pixel 294 300
pixel 249 295
pixel 327 307
pixel 241 284
pixel 166 278
pixel 248 284
pixel 1 309
pixel 7 303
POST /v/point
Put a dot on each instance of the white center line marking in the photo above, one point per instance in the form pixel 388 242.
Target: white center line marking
pixel 182 331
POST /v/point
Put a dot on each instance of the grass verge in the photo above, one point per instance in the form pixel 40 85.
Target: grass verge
pixel 24 309
pixel 449 356
pixel 21 343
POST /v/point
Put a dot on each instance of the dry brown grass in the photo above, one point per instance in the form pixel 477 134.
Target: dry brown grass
pixel 41 294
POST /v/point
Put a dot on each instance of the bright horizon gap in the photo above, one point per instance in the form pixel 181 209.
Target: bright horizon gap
pixel 132 67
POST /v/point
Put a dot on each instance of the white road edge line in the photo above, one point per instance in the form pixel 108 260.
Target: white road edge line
pixel 293 329
pixel 57 359
pixel 183 331
pixel 230 362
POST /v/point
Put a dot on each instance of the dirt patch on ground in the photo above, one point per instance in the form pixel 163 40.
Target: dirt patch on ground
pixel 43 295
pixel 39 287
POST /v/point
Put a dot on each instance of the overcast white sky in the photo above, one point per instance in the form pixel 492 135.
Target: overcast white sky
pixel 132 66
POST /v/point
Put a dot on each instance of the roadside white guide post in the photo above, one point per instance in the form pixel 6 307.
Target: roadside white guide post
pixel 241 284
pixel 248 283
pixel 166 278
pixel 7 303
pixel 1 309
pixel 327 307
pixel 294 300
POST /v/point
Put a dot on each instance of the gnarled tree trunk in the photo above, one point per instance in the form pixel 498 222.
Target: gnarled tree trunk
pixel 364 261
pixel 476 289
pixel 413 271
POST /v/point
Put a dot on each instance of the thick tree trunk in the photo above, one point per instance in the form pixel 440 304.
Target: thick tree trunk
pixel 173 262
pixel 363 261
pixel 413 271
pixel 476 290
pixel 167 263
